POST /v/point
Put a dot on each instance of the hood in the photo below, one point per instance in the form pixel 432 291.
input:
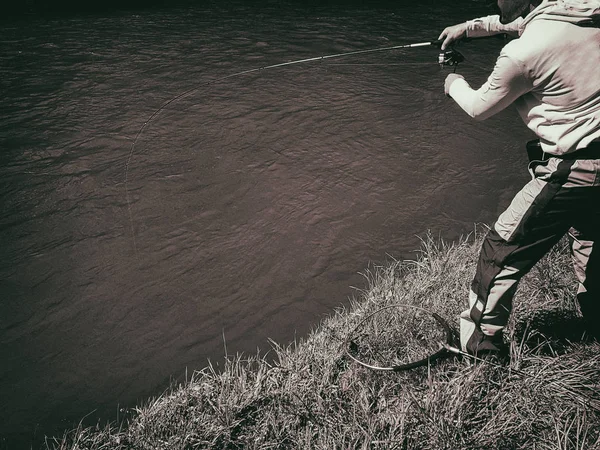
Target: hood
pixel 580 12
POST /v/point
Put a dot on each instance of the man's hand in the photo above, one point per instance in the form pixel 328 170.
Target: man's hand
pixel 453 33
pixel 451 78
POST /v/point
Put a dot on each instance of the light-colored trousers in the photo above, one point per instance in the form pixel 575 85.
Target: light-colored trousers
pixel 563 196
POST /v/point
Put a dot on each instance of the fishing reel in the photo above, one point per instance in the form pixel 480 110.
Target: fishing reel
pixel 450 57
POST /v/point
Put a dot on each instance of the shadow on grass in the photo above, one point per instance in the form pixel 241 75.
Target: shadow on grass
pixel 550 331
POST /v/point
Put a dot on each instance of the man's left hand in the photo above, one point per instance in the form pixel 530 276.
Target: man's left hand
pixel 451 78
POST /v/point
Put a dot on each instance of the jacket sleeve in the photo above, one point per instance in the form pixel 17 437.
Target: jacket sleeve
pixel 506 83
pixel 490 25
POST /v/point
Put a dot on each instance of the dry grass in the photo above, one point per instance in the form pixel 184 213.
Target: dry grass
pixel 314 397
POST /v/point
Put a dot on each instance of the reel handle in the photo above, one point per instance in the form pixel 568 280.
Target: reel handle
pixel 450 57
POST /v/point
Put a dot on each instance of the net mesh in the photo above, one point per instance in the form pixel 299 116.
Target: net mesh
pixel 396 336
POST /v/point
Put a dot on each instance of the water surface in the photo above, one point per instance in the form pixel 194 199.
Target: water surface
pixel 246 209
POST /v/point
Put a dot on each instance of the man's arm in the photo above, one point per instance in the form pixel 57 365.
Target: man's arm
pixel 506 83
pixel 482 27
pixel 490 25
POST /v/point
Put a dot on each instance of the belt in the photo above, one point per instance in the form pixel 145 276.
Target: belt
pixel 592 151
pixel 535 152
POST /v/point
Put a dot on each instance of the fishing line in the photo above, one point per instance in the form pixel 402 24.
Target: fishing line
pixel 237 74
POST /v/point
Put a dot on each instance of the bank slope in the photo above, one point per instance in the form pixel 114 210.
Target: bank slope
pixel 310 395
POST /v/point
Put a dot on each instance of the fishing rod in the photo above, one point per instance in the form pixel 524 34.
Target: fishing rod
pixel 449 57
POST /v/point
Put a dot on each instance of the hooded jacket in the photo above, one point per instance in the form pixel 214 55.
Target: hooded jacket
pixel 551 72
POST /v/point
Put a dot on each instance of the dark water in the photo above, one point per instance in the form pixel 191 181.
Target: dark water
pixel 246 209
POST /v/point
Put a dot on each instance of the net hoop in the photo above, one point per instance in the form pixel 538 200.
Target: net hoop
pixel 413 364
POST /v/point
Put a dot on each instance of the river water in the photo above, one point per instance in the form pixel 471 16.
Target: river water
pixel 161 208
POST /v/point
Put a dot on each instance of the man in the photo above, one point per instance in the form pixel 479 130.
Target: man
pixel 551 73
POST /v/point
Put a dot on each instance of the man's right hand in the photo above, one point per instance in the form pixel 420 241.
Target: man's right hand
pixel 453 33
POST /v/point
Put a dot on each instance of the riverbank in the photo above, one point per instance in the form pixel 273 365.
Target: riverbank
pixel 311 395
